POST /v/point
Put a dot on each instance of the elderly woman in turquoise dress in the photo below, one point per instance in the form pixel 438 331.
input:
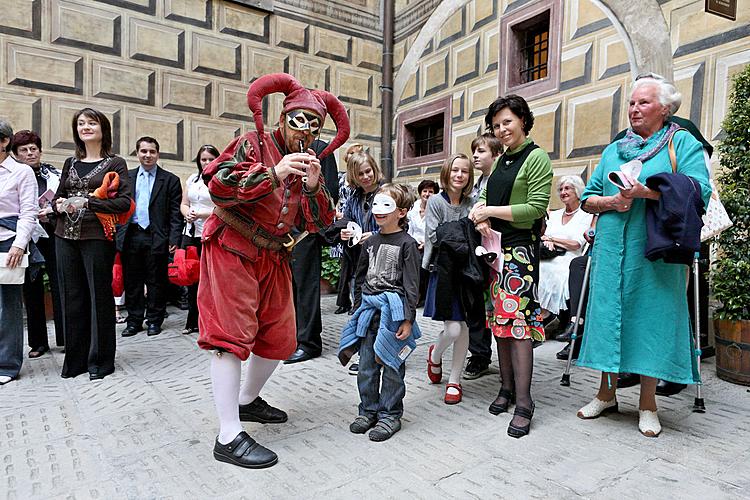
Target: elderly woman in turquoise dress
pixel 637 319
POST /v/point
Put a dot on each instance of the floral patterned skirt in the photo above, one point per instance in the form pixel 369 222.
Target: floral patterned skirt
pixel 513 309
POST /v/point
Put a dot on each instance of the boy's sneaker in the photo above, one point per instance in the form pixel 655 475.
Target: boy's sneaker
pixel 353 368
pixel 362 424
pixel 384 429
pixel 476 367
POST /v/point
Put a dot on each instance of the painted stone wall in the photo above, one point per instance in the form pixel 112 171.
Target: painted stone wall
pixel 178 70
pixel 577 122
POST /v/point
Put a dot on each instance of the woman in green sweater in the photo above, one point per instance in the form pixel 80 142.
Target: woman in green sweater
pixel 514 204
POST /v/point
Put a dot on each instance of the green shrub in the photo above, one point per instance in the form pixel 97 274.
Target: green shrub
pixel 730 274
pixel 330 268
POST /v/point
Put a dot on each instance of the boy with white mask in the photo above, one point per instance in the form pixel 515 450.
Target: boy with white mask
pixel 383 328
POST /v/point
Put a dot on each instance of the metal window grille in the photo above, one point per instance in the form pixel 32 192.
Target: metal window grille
pixel 428 139
pixel 534 53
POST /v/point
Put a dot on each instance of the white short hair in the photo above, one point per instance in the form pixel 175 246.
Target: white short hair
pixel 574 181
pixel 668 93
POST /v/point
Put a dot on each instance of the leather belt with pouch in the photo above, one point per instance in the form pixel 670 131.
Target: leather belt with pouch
pixel 255 233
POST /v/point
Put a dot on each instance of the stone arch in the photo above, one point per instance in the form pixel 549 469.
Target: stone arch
pixel 648 44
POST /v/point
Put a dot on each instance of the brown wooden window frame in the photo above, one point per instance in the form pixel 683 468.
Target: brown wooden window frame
pixel 436 114
pixel 521 58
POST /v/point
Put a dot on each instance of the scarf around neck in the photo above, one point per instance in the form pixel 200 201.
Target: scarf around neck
pixel 635 147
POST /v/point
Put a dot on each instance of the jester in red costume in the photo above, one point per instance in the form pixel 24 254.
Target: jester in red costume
pixel 263 185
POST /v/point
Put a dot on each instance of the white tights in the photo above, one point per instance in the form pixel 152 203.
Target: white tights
pixel 257 373
pixel 457 334
pixel 225 380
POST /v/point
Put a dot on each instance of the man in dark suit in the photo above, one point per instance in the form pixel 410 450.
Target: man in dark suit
pixel 306 268
pixel 145 243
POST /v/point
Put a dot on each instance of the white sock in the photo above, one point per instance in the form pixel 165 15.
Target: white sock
pixel 460 348
pixel 225 380
pixel 257 372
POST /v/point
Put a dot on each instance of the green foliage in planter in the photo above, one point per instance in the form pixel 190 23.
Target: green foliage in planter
pixel 330 268
pixel 731 273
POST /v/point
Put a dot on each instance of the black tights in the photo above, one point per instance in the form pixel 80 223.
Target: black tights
pixel 516 367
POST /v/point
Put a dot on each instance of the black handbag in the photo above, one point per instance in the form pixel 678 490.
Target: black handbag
pixel 547 254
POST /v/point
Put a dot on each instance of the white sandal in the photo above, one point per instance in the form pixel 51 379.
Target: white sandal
pixel 597 407
pixel 648 423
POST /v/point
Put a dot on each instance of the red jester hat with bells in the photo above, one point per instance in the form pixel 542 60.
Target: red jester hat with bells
pixel 298 97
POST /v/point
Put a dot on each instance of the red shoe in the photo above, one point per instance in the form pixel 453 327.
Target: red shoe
pixel 434 370
pixel 452 399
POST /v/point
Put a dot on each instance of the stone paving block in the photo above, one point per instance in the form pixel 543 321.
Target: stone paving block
pixel 395 482
pixel 147 431
pixel 49 468
pixel 29 425
pixel 662 478
pixel 113 394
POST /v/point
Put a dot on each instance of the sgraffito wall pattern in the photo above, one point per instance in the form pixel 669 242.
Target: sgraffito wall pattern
pixel 178 70
pixel 575 123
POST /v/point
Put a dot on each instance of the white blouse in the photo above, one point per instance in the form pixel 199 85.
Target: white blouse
pixel 416 222
pixel 200 201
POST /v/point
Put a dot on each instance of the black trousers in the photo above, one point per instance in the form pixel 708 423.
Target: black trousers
pixel 192 295
pixel 349 260
pixel 480 338
pixel 33 298
pixel 84 269
pixel 306 258
pixel 140 266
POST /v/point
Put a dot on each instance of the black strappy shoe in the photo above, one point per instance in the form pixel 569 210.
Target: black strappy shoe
pixel 498 408
pixel 519 432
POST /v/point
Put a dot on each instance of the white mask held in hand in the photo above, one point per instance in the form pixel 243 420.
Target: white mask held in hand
pixel 356 231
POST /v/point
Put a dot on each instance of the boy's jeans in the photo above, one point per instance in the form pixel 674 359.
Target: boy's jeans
pixel 386 401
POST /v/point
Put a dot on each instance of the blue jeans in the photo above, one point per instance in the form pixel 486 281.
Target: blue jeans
pixel 11 324
pixel 384 401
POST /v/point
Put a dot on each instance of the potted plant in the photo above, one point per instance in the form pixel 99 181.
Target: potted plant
pixel 330 269
pixel 730 274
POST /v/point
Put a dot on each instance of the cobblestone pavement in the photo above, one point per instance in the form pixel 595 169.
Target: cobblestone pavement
pixel 147 432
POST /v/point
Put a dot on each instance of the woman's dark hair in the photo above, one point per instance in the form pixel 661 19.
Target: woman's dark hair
pixel 103 121
pixel 518 107
pixel 211 150
pixel 24 137
pixel 428 184
pixel 6 132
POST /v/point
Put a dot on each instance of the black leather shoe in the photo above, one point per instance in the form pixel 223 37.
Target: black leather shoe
pixel 260 411
pixel 341 310
pixel 563 354
pixel 502 402
pixel 153 330
pixel 664 388
pixel 99 376
pixel 131 330
pixel 628 380
pixel 298 356
pixel 536 343
pixel 567 333
pixel 244 451
pixel 519 432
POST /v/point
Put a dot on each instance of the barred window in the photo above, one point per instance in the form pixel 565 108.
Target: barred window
pixel 530 49
pixel 534 52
